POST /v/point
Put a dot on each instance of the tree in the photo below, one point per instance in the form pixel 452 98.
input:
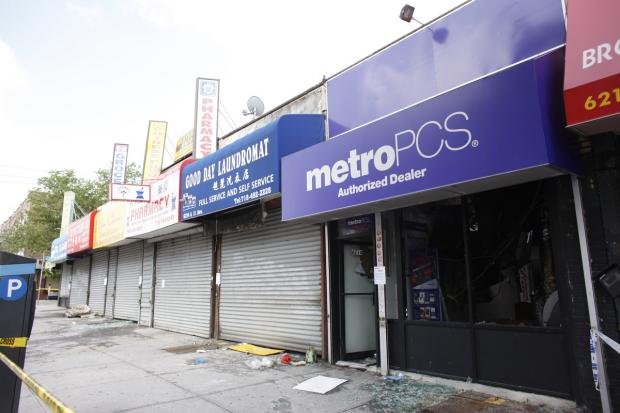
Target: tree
pixel 43 218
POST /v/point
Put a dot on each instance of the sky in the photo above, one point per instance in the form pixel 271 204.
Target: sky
pixel 76 76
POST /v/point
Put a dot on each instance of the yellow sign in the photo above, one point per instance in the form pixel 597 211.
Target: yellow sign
pixel 154 154
pixel 110 224
pixel 13 342
pixel 185 145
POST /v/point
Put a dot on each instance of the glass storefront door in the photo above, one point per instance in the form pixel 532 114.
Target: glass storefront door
pixel 359 300
pixel 354 311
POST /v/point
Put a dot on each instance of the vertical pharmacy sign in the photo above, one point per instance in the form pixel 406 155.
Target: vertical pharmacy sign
pixel 205 121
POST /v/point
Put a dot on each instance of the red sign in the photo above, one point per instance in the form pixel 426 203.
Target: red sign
pixel 81 234
pixel 592 77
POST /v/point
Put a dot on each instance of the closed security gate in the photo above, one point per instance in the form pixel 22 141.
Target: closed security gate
pixel 98 274
pixel 128 274
pixel 146 299
pixel 65 285
pixel 183 285
pixel 109 300
pixel 79 281
pixel 270 290
pixel 65 281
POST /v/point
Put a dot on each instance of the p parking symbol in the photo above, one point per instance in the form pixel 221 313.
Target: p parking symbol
pixel 12 288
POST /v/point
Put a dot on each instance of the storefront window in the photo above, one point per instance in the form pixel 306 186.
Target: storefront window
pixel 510 259
pixel 513 281
pixel 434 262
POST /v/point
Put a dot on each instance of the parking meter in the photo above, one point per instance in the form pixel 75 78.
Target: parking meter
pixel 17 305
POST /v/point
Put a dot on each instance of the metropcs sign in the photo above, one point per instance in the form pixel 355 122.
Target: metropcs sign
pixel 441 147
pixel 382 159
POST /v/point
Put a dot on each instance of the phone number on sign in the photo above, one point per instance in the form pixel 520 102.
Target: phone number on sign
pixel 252 196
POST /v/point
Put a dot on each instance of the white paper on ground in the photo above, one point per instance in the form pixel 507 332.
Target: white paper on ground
pixel 320 384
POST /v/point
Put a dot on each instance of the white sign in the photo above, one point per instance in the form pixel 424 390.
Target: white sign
pixel 218 278
pixel 160 212
pixel 119 163
pixel 380 275
pixel 131 193
pixel 205 121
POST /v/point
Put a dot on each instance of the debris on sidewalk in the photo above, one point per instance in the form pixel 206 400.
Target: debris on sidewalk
pixel 394 378
pixel 405 395
pixel 255 350
pixel 77 311
pixel 311 356
pixel 320 384
pixel 352 364
pixel 298 363
pixel 286 358
pixel 197 361
pixel 198 347
pixel 497 401
pixel 256 363
pixel 474 402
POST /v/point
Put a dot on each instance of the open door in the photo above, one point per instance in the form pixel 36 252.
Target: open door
pixel 358 315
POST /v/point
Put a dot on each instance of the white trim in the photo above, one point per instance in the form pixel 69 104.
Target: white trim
pixel 453 88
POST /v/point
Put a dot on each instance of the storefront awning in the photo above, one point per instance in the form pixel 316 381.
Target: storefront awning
pixel 160 216
pixel 59 250
pixel 109 228
pixel 501 130
pixel 248 169
pixel 592 76
pixel 81 234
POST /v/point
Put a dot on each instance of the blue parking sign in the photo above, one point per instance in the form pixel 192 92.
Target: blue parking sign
pixel 12 288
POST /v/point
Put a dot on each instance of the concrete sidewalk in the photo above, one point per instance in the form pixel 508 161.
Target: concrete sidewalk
pixel 97 365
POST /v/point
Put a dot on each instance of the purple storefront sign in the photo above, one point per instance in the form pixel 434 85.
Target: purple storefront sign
pixel 478 39
pixel 498 131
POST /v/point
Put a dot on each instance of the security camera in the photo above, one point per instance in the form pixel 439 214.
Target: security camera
pixel 406 13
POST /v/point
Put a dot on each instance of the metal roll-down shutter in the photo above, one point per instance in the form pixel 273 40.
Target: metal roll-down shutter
pixel 65 280
pixel 79 281
pixel 146 301
pixel 270 290
pixel 183 285
pixel 109 300
pixel 128 273
pixel 98 274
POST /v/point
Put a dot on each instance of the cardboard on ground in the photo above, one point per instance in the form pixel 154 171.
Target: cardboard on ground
pixel 255 350
pixel 320 384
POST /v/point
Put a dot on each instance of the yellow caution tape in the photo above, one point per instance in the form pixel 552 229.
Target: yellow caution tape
pixel 13 342
pixel 52 402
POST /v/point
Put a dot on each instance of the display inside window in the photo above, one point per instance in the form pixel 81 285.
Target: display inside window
pixel 513 281
pixel 434 262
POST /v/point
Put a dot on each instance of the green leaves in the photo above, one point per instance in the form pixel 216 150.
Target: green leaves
pixel 42 220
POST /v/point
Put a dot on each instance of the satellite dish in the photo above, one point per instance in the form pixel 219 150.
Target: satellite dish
pixel 256 107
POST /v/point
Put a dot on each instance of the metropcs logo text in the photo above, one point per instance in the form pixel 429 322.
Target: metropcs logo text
pixel 385 157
